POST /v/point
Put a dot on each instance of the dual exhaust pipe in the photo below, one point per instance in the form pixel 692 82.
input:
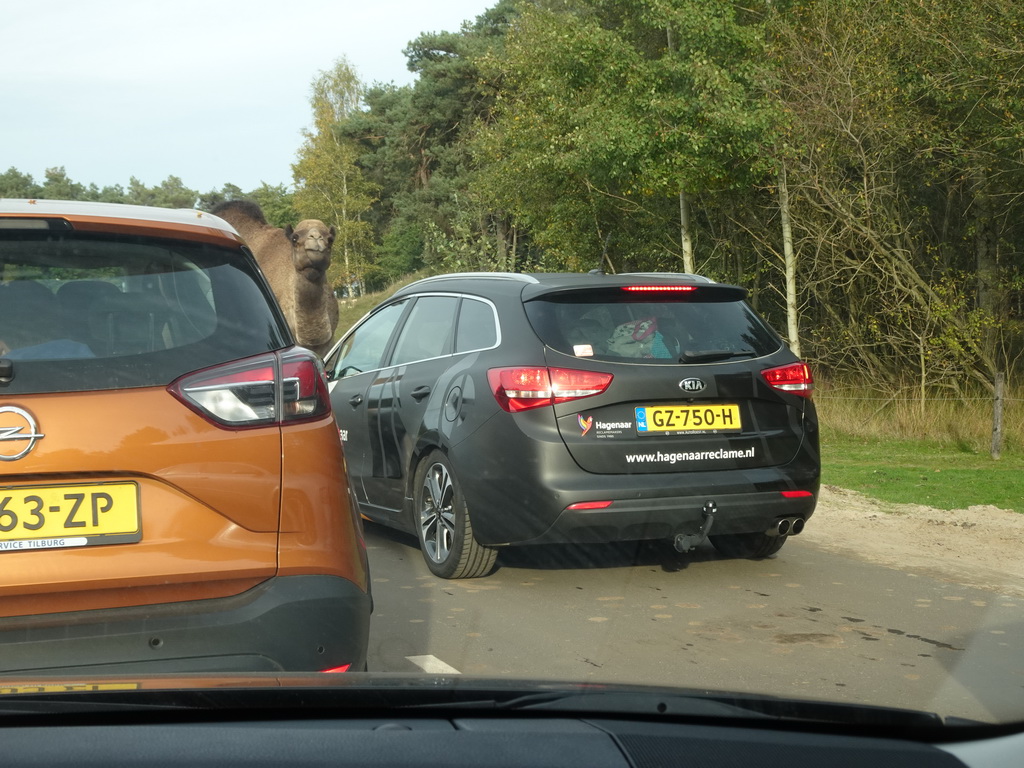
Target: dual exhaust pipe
pixel 787 526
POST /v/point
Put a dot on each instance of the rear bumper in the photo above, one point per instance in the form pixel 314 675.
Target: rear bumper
pixel 522 494
pixel 285 624
pixel 665 517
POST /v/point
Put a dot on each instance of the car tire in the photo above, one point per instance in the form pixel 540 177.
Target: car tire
pixel 443 525
pixel 752 546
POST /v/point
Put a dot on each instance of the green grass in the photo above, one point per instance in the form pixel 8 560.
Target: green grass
pixel 938 474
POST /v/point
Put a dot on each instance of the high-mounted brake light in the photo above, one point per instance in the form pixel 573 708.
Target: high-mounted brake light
pixel 660 288
pixel 6 223
pixel 794 378
pixel 274 388
pixel 336 670
pixel 523 388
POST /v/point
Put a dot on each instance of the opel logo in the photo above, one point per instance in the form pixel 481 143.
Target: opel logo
pixel 692 385
pixel 18 432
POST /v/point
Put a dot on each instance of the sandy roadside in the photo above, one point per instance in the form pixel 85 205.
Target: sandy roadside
pixel 982 546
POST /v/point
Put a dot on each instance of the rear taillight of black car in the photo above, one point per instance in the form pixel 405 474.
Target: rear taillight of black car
pixel 275 388
pixel 794 378
pixel 523 388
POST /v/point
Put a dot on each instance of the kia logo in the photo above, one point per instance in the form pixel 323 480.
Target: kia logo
pixel 692 385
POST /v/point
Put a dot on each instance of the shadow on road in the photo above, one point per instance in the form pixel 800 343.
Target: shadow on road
pixel 628 554
pixel 567 557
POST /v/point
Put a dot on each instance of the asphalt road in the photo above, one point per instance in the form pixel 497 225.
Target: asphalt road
pixel 805 623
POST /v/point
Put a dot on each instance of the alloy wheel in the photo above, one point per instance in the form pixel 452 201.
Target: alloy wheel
pixel 437 514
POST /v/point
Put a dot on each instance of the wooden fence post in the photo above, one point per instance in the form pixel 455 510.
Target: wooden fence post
pixel 997 416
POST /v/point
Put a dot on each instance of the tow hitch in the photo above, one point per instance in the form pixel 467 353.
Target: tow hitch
pixel 684 542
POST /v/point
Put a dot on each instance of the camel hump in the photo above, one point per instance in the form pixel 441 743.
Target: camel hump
pixel 246 217
pixel 240 209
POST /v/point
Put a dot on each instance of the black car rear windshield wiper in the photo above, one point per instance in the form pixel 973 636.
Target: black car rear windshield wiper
pixel 712 355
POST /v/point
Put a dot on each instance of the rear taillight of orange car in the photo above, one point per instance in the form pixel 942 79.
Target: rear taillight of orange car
pixel 794 378
pixel 274 388
pixel 525 387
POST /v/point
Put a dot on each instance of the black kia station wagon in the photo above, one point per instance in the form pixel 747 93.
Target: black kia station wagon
pixel 485 410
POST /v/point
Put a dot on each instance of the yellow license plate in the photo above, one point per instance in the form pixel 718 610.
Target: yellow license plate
pixel 57 516
pixel 688 419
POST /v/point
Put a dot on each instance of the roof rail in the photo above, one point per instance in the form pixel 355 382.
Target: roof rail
pixel 517 276
pixel 690 275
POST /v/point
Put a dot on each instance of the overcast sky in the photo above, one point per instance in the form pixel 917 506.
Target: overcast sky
pixel 210 91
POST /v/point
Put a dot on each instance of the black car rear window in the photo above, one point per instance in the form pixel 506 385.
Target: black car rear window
pixel 83 311
pixel 619 326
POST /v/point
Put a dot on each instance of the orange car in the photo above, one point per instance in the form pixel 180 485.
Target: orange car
pixel 172 484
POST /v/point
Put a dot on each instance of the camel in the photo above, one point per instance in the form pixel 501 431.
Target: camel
pixel 295 263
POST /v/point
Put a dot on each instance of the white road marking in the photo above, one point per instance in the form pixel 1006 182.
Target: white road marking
pixel 433 665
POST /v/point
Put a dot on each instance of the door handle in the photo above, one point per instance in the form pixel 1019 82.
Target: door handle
pixel 355 400
pixel 420 392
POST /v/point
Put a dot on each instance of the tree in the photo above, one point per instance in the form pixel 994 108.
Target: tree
pixel 899 145
pixel 170 193
pixel 277 204
pixel 414 142
pixel 14 183
pixel 969 58
pixel 330 185
pixel 57 186
pixel 615 116
pixel 109 194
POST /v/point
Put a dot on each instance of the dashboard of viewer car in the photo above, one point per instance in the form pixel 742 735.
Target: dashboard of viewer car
pixel 183 738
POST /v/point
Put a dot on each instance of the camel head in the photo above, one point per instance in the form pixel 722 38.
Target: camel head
pixel 311 248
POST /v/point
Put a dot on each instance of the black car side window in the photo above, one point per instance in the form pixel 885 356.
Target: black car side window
pixel 477 328
pixel 427 332
pixel 363 349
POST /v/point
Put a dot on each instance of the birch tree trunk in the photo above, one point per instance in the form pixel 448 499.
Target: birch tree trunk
pixel 789 258
pixel 685 236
